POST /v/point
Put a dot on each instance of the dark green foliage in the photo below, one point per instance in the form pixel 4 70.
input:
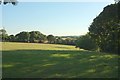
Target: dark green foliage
pixel 33 36
pixel 22 36
pixel 51 38
pixel 36 36
pixel 105 29
pixel 85 42
pixel 11 38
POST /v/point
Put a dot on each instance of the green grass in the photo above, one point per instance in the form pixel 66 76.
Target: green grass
pixel 23 60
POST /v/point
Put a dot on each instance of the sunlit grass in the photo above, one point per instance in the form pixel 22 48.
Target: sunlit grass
pixel 23 60
pixel 7 65
pixel 35 46
pixel 61 55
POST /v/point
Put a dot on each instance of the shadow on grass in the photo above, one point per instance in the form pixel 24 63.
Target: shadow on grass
pixel 58 64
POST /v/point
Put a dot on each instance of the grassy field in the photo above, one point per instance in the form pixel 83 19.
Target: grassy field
pixel 31 60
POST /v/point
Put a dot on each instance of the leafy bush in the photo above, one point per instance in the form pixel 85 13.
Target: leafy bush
pixel 85 42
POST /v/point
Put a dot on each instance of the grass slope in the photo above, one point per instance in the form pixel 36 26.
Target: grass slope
pixel 29 60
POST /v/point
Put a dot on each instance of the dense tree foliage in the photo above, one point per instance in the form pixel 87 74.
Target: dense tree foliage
pixel 11 38
pixel 51 38
pixel 22 36
pixel 36 36
pixel 105 29
pixel 85 42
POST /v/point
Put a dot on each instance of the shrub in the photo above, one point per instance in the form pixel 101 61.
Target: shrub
pixel 85 42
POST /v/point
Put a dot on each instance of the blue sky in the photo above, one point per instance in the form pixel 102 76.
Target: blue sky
pixel 57 18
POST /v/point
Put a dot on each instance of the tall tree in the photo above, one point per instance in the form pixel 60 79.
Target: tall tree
pixel 105 29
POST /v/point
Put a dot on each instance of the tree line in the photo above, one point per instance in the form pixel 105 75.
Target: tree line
pixel 35 37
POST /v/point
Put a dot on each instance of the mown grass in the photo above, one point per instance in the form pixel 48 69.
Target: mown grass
pixel 23 60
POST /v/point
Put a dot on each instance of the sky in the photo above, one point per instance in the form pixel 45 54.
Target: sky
pixel 56 18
